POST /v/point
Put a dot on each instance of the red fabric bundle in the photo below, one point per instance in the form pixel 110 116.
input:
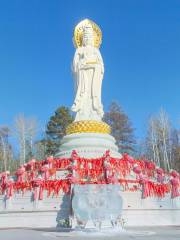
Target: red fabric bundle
pixel 9 188
pixel 4 178
pixel 38 184
pixel 20 173
pixel 45 171
pixel 160 175
pixel 175 184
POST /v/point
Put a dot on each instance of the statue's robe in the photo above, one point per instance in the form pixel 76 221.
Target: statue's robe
pixel 88 72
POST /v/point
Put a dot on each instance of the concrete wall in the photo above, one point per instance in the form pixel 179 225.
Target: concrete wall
pixel 38 219
pixel 21 211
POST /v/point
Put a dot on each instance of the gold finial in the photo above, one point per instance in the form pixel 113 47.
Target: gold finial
pixel 79 30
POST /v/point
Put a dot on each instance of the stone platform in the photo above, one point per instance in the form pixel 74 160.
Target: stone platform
pixel 21 211
pixel 136 233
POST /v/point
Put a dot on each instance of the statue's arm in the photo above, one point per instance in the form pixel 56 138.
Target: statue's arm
pixel 75 68
pixel 75 65
pixel 100 61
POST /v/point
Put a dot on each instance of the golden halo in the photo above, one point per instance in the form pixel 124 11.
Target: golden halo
pixel 78 33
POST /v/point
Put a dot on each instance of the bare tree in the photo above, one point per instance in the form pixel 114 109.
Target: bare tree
pixel 32 127
pixel 4 146
pixel 175 136
pixel 152 140
pixel 165 136
pixel 159 146
pixel 20 126
pixel 26 130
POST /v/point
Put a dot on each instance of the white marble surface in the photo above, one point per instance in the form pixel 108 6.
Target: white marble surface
pixel 89 145
pixel 136 212
pixel 40 219
pixel 136 233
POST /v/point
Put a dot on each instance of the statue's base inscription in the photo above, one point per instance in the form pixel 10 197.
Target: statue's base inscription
pixel 97 203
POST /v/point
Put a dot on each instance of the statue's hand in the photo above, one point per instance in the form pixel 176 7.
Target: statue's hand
pixel 91 65
pixel 82 66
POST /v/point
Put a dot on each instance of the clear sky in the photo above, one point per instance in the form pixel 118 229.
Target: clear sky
pixel 141 52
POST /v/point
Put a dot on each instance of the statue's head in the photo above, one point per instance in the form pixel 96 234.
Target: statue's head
pixel 88 35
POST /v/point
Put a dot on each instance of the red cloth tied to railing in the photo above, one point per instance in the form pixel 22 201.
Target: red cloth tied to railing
pixel 57 185
pixel 62 163
pixel 31 165
pixel 72 178
pixel 149 168
pixel 128 158
pixel 160 175
pixel 175 184
pixel 146 186
pixel 20 173
pixel 137 169
pixel 38 184
pixel 22 186
pixel 4 178
pixel 102 170
pixel 31 175
pixel 151 189
pixel 175 187
pixel 45 171
pixel 50 161
pixel 9 188
pixel 159 190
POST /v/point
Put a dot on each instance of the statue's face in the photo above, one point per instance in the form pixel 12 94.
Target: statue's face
pixel 88 41
pixel 88 37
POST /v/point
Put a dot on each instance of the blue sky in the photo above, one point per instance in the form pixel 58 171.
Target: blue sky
pixel 141 52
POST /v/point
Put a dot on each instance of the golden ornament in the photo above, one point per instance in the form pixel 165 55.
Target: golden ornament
pixel 88 126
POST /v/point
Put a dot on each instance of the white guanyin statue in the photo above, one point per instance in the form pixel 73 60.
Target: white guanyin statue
pixel 88 134
pixel 88 71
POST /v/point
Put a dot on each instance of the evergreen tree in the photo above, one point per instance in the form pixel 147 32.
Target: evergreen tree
pixel 56 129
pixel 121 127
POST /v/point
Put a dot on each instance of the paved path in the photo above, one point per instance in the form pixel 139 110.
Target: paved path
pixel 143 233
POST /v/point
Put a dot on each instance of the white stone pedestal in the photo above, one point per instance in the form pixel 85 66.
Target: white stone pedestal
pixel 88 145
